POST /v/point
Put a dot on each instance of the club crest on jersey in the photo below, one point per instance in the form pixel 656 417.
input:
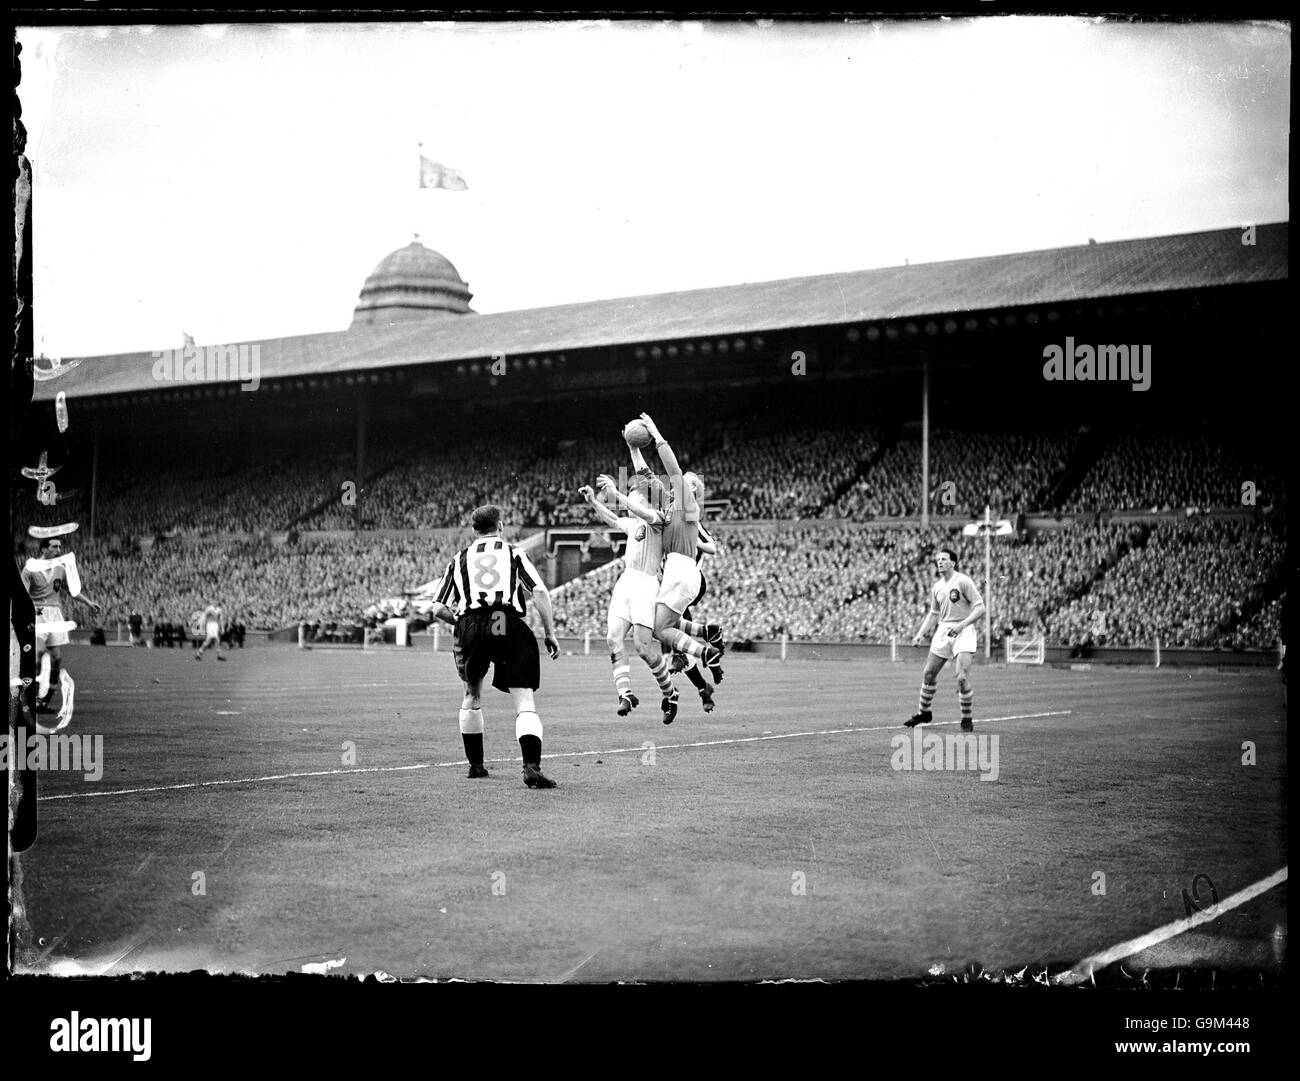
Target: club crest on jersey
pixel 954 595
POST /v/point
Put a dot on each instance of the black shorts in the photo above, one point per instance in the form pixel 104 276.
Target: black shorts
pixel 500 638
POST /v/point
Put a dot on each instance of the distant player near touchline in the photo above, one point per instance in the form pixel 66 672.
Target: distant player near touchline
pixel 632 604
pixel 212 629
pixel 483 595
pixel 957 606
pixel 48 579
pixel 681 574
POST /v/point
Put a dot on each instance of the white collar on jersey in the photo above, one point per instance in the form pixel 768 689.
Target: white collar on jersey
pixel 37 563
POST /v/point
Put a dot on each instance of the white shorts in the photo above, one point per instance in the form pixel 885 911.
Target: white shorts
pixel 965 642
pixel 214 629
pixel 681 584
pixel 634 598
pixel 51 628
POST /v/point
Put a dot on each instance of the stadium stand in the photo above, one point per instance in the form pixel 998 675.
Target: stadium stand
pixel 869 584
pixel 1164 471
pixel 1188 585
pixel 1013 472
pixel 1200 582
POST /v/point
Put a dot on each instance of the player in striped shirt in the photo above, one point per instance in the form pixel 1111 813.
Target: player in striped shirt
pixel 691 665
pixel 955 607
pixel 484 596
pixel 681 574
pixel 632 605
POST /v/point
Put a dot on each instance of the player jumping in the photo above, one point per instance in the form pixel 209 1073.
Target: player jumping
pixel 691 665
pixel 957 606
pixel 681 576
pixel 48 579
pixel 632 605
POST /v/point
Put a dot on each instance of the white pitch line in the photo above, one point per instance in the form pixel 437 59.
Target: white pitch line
pixel 1085 968
pixel 557 754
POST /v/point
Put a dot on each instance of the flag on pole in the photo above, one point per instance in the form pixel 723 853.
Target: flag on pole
pixel 433 175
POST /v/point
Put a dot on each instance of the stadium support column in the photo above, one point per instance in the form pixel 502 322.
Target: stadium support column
pixel 363 411
pixel 925 443
pixel 94 477
pixel 988 583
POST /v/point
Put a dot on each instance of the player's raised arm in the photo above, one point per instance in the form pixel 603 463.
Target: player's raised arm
pixel 684 492
pixel 644 512
pixel 660 493
pixel 666 454
pixel 601 511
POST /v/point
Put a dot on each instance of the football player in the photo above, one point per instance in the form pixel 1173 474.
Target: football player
pixel 956 606
pixel 632 604
pixel 681 573
pixel 484 595
pixel 48 579
pixel 212 631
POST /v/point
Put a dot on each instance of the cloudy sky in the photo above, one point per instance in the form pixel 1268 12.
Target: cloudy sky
pixel 240 182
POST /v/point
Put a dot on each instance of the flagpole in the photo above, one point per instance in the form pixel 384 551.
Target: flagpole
pixel 419 178
pixel 987 526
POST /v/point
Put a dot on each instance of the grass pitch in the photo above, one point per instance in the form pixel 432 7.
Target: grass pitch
pixel 295 808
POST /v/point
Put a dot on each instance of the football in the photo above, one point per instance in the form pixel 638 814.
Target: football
pixel 636 433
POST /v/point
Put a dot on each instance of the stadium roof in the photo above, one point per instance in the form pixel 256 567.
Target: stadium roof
pixel 1058 275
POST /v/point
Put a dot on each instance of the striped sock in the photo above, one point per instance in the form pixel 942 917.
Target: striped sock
pixel 691 626
pixel 927 696
pixel 967 700
pixel 659 669
pixel 622 682
pixel 683 642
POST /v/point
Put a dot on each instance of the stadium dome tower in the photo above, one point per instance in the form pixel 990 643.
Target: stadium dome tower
pixel 412 283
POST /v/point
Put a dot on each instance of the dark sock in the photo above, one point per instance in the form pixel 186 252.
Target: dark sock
pixel 531 746
pixel 696 677
pixel 473 747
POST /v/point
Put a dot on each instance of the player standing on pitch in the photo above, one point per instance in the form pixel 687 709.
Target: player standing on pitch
pixel 957 606
pixel 681 576
pixel 212 627
pixel 483 596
